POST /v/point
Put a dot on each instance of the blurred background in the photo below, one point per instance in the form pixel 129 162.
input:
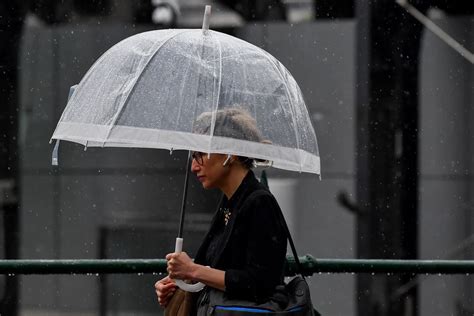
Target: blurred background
pixel 391 103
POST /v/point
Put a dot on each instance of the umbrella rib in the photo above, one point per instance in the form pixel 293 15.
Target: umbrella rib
pixel 122 106
pixel 289 102
pixel 220 76
pixel 217 98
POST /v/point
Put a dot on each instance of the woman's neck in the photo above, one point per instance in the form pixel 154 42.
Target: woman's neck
pixel 234 179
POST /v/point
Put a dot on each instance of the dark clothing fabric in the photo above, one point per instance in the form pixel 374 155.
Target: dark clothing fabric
pixel 251 247
pixel 215 242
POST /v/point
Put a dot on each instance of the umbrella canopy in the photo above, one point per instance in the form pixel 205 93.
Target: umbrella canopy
pixel 157 89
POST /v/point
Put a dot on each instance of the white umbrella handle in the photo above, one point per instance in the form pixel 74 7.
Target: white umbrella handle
pixel 180 283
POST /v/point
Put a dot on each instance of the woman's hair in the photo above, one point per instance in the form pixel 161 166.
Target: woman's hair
pixel 233 123
pixel 248 163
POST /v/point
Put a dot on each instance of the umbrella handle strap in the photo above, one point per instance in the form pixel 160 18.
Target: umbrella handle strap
pixel 180 283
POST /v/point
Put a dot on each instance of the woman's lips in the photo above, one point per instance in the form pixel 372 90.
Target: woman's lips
pixel 201 178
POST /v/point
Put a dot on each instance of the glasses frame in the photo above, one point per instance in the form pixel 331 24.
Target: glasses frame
pixel 198 157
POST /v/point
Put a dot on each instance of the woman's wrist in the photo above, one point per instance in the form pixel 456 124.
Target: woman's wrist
pixel 195 272
pixel 199 272
pixel 209 276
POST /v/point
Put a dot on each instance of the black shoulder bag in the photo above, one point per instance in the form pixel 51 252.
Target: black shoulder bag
pixel 296 296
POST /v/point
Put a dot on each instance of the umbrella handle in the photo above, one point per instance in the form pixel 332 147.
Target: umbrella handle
pixel 180 283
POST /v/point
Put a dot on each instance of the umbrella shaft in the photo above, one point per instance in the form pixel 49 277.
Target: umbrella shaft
pixel 185 194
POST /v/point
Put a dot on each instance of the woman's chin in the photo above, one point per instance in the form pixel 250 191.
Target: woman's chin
pixel 207 185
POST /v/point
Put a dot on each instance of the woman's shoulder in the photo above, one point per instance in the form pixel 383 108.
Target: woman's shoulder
pixel 261 199
pixel 260 193
pixel 262 210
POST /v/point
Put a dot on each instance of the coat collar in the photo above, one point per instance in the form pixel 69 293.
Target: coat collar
pixel 248 184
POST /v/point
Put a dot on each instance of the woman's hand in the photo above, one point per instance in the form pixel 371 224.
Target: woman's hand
pixel 180 266
pixel 165 289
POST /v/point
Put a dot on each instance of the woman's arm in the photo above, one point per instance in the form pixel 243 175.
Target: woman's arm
pixel 180 266
pixel 210 276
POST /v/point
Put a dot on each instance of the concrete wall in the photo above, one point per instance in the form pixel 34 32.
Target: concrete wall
pixel 446 163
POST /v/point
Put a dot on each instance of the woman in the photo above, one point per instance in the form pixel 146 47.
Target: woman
pixel 243 254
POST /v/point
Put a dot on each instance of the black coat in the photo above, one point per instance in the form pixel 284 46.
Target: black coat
pixel 252 246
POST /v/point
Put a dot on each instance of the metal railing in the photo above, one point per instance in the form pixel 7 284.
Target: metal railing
pixel 310 266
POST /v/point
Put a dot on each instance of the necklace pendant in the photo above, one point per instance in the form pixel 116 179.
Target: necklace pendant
pixel 227 214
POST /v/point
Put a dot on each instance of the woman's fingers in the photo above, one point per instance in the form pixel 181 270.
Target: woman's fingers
pixel 163 299
pixel 177 256
pixel 165 289
pixel 179 265
pixel 165 280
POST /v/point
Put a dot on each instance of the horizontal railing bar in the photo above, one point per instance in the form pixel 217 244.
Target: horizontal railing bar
pixel 391 266
pixel 310 266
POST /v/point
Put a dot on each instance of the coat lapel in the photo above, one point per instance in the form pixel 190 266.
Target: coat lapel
pixel 225 238
pixel 201 253
pixel 246 187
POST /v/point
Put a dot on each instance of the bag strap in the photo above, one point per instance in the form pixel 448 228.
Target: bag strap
pixel 299 268
pixel 264 181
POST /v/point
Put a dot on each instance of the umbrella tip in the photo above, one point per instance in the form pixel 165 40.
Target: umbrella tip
pixel 207 16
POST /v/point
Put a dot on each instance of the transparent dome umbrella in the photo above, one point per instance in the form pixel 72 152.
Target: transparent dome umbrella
pixel 171 89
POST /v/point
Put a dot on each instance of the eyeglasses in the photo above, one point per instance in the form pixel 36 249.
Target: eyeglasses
pixel 198 156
